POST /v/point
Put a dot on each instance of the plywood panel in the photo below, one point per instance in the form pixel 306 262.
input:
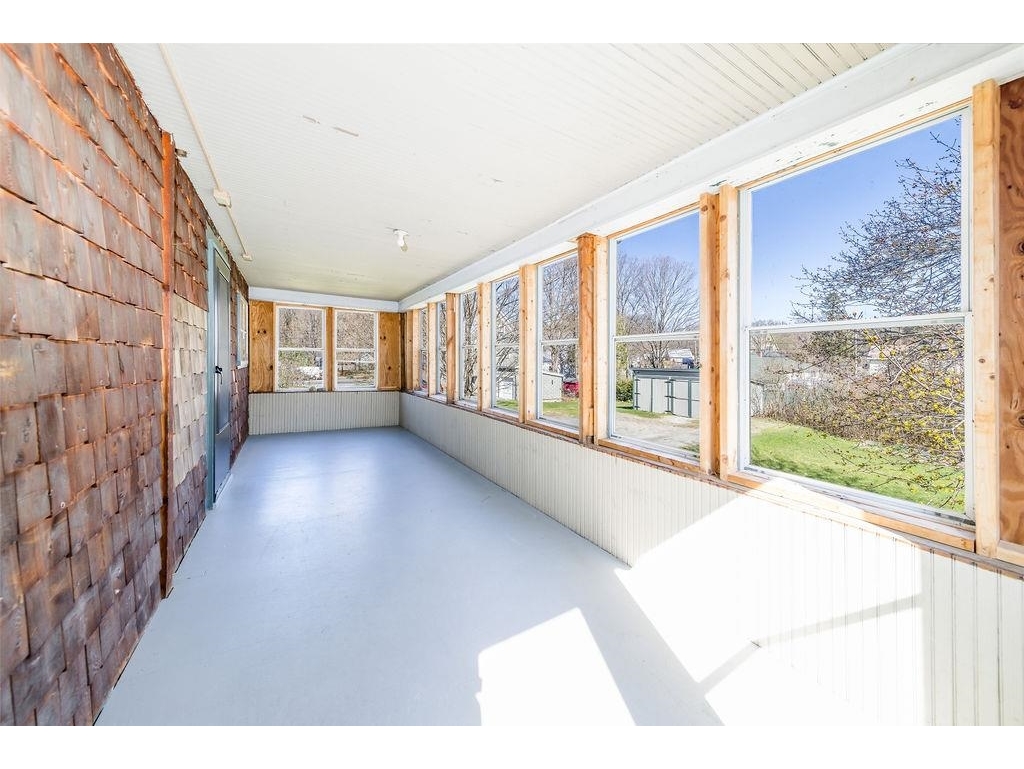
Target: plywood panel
pixel 261 347
pixel 1011 311
pixel 389 350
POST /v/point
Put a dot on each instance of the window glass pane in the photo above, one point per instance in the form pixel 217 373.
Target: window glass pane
pixel 355 335
pixel 505 345
pixel 657 393
pixel 469 336
pixel 300 327
pixel 243 329
pixel 300 348
pixel 424 355
pixel 300 370
pixel 657 379
pixel 442 347
pixel 560 299
pixel 874 234
pixel 558 383
pixel 356 369
pixel 880 410
pixel 657 279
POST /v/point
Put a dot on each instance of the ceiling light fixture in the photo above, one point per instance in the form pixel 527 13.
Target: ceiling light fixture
pixel 400 236
pixel 247 256
pixel 222 198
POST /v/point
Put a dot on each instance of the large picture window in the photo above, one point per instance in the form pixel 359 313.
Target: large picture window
pixel 505 344
pixel 853 322
pixel 355 350
pixel 655 359
pixel 300 348
pixel 558 370
pixel 469 342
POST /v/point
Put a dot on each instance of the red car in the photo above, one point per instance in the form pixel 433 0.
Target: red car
pixel 571 387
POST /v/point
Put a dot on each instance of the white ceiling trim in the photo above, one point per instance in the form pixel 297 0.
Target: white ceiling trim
pixel 895 86
pixel 321 300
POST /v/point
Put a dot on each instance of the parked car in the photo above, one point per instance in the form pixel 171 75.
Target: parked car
pixel 571 387
pixel 686 358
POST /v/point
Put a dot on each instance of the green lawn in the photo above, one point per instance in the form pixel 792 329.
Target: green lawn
pixel 812 454
pixel 626 407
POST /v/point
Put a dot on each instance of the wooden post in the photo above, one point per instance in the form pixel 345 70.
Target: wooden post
pixel 587 245
pixel 1010 302
pixel 431 347
pixel 708 342
pixel 451 303
pixel 166 381
pixel 727 279
pixel 483 304
pixel 985 112
pixel 527 343
pixel 604 385
pixel 330 341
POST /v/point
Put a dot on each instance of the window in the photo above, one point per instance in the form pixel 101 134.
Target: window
pixel 558 372
pixel 242 329
pixel 300 348
pixel 853 323
pixel 655 358
pixel 424 360
pixel 469 339
pixel 355 350
pixel 442 347
pixel 505 344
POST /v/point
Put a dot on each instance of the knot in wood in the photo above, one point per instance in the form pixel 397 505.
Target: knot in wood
pixel 1016 103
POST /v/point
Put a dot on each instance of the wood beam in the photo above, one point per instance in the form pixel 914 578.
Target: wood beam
pixel 166 381
pixel 1010 272
pixel 727 279
pixel 330 339
pixel 587 245
pixel 708 341
pixel 528 343
pixel 984 301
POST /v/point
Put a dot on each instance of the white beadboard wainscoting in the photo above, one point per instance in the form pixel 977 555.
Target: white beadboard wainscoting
pixel 903 634
pixel 302 412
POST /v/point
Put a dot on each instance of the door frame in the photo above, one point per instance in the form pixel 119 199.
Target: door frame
pixel 215 249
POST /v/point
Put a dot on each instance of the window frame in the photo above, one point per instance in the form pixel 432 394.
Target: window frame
pixel 337 350
pixel 440 348
pixel 655 450
pixel 538 362
pixel 744 318
pixel 422 343
pixel 492 341
pixel 460 347
pixel 278 307
pixel 241 330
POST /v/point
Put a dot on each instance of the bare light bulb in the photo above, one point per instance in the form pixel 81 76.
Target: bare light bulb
pixel 400 236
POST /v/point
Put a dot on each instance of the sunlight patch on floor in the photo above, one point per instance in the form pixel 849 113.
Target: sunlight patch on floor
pixel 552 673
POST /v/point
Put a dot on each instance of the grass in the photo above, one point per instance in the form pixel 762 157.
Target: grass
pixel 626 407
pixel 812 454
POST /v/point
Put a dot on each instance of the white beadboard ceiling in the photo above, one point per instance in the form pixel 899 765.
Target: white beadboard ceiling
pixel 326 149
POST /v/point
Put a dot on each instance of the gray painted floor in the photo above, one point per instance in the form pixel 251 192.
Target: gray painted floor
pixel 363 577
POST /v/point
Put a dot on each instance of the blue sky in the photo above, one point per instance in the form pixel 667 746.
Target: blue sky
pixel 796 221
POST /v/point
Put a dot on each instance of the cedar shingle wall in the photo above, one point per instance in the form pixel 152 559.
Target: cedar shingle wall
pixel 82 466
pixel 81 409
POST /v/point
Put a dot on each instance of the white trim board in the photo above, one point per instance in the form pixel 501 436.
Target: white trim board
pixel 321 300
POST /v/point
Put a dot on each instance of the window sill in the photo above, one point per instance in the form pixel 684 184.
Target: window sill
pixel 824 504
pixel 668 461
pixel 550 427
